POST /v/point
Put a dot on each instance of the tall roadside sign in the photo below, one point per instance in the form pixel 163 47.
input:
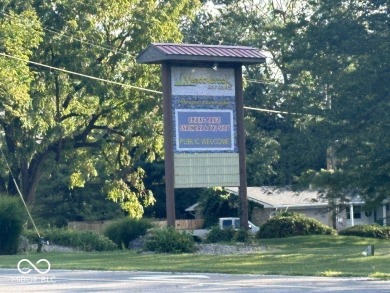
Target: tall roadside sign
pixel 204 139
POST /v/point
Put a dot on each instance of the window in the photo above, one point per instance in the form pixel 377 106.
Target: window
pixel 356 212
pixel 226 224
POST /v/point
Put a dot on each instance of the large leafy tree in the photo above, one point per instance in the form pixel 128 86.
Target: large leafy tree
pixel 329 60
pixel 97 129
pixel 348 45
pixel 280 145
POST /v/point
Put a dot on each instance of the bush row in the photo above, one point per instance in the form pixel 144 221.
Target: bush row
pixel 83 240
pixel 292 224
pixel 372 231
pixel 216 234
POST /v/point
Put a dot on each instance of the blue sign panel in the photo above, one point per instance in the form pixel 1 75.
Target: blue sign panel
pixel 204 110
pixel 202 130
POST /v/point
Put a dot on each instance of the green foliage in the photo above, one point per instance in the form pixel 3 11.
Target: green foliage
pixel 169 240
pixel 12 217
pixel 125 230
pixel 216 234
pixel 20 33
pixel 83 240
pixel 99 131
pixel 372 231
pixel 242 235
pixel 327 73
pixel 287 225
pixel 217 203
pixel 55 204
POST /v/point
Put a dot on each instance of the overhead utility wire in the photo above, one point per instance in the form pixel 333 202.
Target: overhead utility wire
pixel 116 50
pixel 123 84
pixel 83 75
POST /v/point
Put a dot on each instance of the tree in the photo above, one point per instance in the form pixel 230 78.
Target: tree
pixel 282 145
pixel 216 203
pixel 56 203
pixel 20 33
pixel 347 44
pixel 94 128
pixel 329 61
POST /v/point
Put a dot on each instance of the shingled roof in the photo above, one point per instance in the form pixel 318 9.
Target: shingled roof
pixel 157 53
pixel 272 197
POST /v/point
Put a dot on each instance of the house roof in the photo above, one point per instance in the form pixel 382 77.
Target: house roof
pixel 279 198
pixel 157 53
pixel 272 197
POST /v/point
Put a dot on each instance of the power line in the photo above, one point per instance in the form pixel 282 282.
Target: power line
pixel 123 84
pixel 272 111
pixel 114 49
pixel 82 75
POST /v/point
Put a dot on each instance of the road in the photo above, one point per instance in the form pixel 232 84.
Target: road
pixel 11 280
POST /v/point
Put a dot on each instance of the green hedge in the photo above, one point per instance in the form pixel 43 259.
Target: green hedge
pixel 372 231
pixel 287 224
pixel 12 217
pixel 125 230
pixel 216 234
pixel 82 240
pixel 168 240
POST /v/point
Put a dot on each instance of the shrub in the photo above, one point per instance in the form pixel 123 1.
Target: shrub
pixel 286 225
pixel 242 235
pixel 372 231
pixel 216 234
pixel 83 240
pixel 168 240
pixel 126 230
pixel 12 217
pixel 31 235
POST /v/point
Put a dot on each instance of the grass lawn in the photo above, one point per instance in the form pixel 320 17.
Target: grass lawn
pixel 323 255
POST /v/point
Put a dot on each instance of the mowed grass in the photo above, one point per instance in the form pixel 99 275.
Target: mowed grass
pixel 323 255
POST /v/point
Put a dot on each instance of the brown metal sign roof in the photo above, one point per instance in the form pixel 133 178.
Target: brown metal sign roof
pixel 157 53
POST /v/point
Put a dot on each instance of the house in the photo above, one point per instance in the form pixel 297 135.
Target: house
pixel 266 201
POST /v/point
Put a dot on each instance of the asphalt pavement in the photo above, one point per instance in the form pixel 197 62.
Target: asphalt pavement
pixel 14 280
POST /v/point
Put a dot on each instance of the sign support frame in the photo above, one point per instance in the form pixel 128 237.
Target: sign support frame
pixel 168 145
pixel 168 55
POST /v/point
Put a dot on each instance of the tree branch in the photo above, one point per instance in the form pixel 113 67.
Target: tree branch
pixel 63 118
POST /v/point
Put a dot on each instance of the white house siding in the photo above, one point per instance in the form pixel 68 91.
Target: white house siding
pixel 365 217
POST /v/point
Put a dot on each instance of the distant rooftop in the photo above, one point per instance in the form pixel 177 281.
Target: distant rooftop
pixel 157 53
pixel 272 197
